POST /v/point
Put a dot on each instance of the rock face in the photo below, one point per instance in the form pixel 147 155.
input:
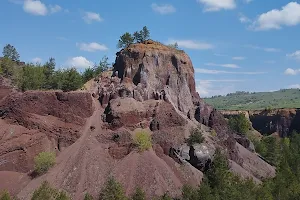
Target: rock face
pixel 153 71
pixel 154 84
pixel 281 121
pixel 33 122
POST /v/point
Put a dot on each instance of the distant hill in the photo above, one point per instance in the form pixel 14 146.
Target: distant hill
pixel 285 98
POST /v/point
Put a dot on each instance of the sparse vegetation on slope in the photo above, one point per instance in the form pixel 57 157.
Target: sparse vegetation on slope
pixel 46 192
pixel 43 162
pixel 5 196
pixel 112 190
pixel 285 98
pixel 195 137
pixel 143 140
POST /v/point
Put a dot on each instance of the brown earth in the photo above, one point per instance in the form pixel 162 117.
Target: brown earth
pixel 151 88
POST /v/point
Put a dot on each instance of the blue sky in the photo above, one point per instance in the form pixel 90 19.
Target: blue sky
pixel 250 45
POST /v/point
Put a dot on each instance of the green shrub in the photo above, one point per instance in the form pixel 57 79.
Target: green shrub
pixel 195 137
pixel 44 161
pixel 143 140
pixel 213 133
pixel 139 194
pixel 46 192
pixel 87 196
pixel 5 196
pixel 112 190
pixel 239 123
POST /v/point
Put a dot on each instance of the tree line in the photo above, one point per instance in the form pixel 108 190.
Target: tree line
pixel 36 76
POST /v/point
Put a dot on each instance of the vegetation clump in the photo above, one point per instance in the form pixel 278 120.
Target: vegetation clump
pixel 46 192
pixel 239 123
pixel 87 196
pixel 138 36
pixel 139 194
pixel 112 190
pixel 43 162
pixel 4 195
pixel 195 137
pixel 143 140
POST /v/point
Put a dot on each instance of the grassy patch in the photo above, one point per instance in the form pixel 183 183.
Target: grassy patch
pixel 44 161
pixel 143 140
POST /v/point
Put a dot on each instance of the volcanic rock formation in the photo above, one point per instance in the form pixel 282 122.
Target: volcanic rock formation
pixel 151 88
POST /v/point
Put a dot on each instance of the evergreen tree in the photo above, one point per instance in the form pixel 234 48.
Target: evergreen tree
pixel 112 190
pixel 11 52
pixel 71 80
pixel 239 123
pixel 145 34
pixel 125 40
pixel 88 74
pixel 139 194
pixel 49 69
pixel 33 77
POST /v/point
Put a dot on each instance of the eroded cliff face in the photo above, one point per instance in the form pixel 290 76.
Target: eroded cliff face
pixel 281 121
pixel 153 86
pixel 35 121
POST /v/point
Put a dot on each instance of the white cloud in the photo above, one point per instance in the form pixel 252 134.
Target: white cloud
pixel 163 8
pixel 209 71
pixel 234 66
pixel 191 44
pixel 295 86
pixel 91 47
pixel 37 60
pixel 35 7
pixel 79 62
pixel 295 55
pixel 243 18
pixel 217 5
pixel 238 58
pixel 55 8
pixel 289 15
pixel 266 49
pixel 290 71
pixel 89 17
pixel 208 88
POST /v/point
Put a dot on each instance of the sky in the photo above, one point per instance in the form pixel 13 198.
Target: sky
pixel 235 45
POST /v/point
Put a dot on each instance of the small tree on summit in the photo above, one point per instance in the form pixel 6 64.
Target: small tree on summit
pixel 125 40
pixel 10 52
pixel 138 36
pixel 142 35
pixel 145 34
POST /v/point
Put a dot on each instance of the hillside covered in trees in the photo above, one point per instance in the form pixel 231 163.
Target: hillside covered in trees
pixel 284 98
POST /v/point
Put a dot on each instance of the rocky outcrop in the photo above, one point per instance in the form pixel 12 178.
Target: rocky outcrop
pixel 34 121
pixel 281 121
pixel 153 86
